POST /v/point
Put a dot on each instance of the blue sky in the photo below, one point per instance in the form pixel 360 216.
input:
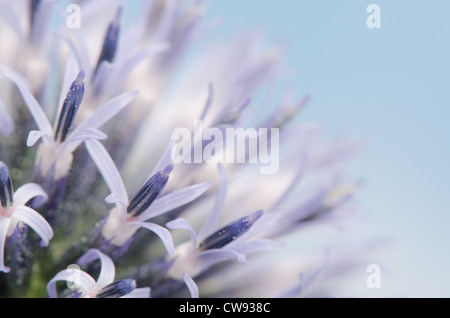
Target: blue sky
pixel 389 86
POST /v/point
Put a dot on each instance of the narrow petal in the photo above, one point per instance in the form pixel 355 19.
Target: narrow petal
pixel 212 257
pixel 6 122
pixel 174 200
pixel 107 111
pixel 28 191
pixel 121 70
pixel 162 232
pixel 213 219
pixel 76 276
pixel 35 221
pixel 103 74
pixel 181 223
pixel 33 106
pixel 81 54
pixel 165 159
pixel 10 16
pixel 79 136
pixel 209 101
pixel 4 225
pixel 35 135
pixel 254 246
pixel 139 293
pixel 191 285
pixel 108 270
pixel 108 169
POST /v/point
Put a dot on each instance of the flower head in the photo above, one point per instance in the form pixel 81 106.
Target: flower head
pixel 116 87
pixel 104 287
pixel 14 212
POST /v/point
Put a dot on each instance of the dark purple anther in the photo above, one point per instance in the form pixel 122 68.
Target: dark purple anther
pixel 149 191
pixel 229 233
pixel 70 107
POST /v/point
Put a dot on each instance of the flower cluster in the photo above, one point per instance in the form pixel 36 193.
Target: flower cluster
pixel 116 78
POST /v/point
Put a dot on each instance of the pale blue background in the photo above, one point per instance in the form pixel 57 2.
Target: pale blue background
pixel 390 86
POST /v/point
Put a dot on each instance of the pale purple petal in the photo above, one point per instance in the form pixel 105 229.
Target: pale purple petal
pixel 162 232
pixel 35 109
pixel 108 169
pixel 9 15
pixel 108 270
pixel 295 290
pixel 42 18
pixel 139 293
pixel 76 276
pixel 35 135
pixel 78 136
pixel 103 75
pixel 107 111
pixel 174 200
pixel 120 71
pixel 81 55
pixel 165 159
pixel 4 225
pixel 181 223
pixel 191 285
pixel 211 257
pixel 28 191
pixel 34 220
pixel 254 246
pixel 209 101
pixel 6 122
pixel 213 219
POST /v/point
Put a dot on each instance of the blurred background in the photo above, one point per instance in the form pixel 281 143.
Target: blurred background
pixel 390 87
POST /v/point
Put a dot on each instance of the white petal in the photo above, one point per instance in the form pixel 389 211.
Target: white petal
pixel 108 270
pixel 35 135
pixel 181 223
pixel 211 257
pixel 4 225
pixel 102 76
pixel 165 159
pixel 80 53
pixel 174 200
pixel 10 15
pixel 27 192
pixel 35 109
pixel 78 136
pixel 6 122
pixel 191 285
pixel 254 246
pixel 108 169
pixel 138 293
pixel 162 232
pixel 121 70
pixel 76 276
pixel 213 219
pixel 35 221
pixel 107 111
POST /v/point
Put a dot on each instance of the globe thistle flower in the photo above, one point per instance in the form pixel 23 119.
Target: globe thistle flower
pixel 14 213
pixel 104 287
pixel 144 138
